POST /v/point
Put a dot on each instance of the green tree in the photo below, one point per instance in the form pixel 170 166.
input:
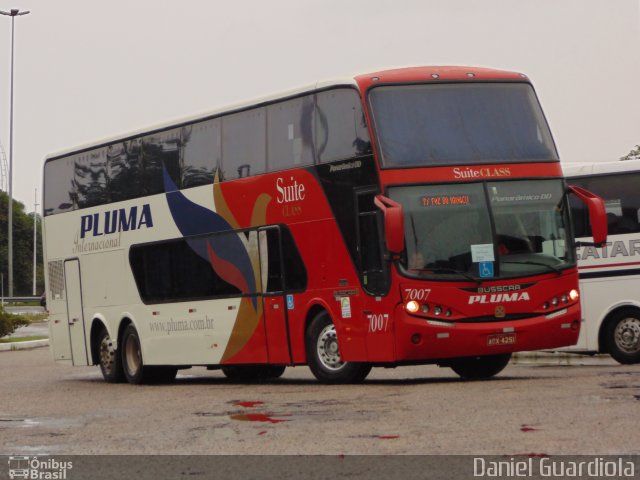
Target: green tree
pixel 22 249
pixel 634 154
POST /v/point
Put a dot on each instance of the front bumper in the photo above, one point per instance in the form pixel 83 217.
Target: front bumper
pixel 420 339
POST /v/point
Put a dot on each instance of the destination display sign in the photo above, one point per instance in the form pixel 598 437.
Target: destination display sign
pixel 444 200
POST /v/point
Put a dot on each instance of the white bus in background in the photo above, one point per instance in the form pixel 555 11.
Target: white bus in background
pixel 609 276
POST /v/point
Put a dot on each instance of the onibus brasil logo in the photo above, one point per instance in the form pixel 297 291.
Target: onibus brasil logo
pixel 34 468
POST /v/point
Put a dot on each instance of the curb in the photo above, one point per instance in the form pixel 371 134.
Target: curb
pixel 7 347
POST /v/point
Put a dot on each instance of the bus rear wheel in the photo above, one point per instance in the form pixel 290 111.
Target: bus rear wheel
pixel 622 336
pixel 252 373
pixel 110 360
pixel 476 368
pixel 135 371
pixel 323 354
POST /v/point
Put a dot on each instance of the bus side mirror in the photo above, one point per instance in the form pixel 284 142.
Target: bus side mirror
pixel 597 213
pixel 393 223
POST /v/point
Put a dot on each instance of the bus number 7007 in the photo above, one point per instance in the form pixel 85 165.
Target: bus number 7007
pixel 419 294
pixel 378 322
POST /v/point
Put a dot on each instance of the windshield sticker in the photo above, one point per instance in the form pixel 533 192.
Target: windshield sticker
pixel 485 269
pixel 345 305
pixel 482 253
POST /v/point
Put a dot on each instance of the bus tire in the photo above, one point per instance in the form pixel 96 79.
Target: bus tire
pixel 252 373
pixel 109 358
pixel 323 354
pixel 134 368
pixel 622 336
pixel 476 368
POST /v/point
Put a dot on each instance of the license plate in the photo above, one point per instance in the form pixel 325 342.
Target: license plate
pixel 501 339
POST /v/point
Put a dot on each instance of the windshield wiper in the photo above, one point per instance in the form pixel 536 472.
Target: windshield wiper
pixel 550 267
pixel 453 270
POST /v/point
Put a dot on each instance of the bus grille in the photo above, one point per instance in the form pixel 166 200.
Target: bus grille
pixel 56 279
pixel 515 316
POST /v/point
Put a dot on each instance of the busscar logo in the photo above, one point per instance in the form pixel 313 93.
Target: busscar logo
pixel 499 288
pixel 36 469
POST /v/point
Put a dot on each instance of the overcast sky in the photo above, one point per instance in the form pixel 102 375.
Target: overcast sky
pixel 86 70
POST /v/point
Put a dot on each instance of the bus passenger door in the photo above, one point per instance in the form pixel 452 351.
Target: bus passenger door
pixel 75 315
pixel 374 276
pixel 273 296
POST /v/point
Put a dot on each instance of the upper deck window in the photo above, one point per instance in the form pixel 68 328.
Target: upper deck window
pixel 318 127
pixel 459 124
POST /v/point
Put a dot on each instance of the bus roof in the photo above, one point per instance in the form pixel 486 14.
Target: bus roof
pixel 436 74
pixel 363 81
pixel 579 169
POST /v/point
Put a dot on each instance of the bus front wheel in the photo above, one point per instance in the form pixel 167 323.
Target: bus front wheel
pixel 323 354
pixel 622 336
pixel 476 368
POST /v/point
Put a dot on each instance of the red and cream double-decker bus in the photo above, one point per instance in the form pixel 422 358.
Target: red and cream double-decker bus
pixel 405 216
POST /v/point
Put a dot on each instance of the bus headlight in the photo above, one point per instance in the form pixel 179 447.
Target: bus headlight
pixel 574 295
pixel 412 306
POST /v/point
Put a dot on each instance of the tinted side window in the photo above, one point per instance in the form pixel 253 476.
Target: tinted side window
pixel 90 179
pixel 201 153
pixel 621 198
pixel 369 245
pixel 372 266
pixel 282 266
pixel 178 269
pixel 271 260
pixel 243 144
pixel 125 168
pixel 295 273
pixel 58 191
pixel 158 151
pixel 341 130
pixel 135 166
pixel 290 133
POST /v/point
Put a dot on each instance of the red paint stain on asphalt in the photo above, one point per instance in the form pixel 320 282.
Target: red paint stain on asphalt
pixel 388 437
pixel 527 428
pixel 247 404
pixel 256 417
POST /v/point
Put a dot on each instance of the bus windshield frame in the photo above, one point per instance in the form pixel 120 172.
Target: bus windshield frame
pixel 442 124
pixel 487 230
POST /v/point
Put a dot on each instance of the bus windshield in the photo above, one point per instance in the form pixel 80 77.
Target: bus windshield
pixel 485 230
pixel 446 124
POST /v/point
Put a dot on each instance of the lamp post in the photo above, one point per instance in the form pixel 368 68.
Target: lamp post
pixel 35 238
pixel 13 13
